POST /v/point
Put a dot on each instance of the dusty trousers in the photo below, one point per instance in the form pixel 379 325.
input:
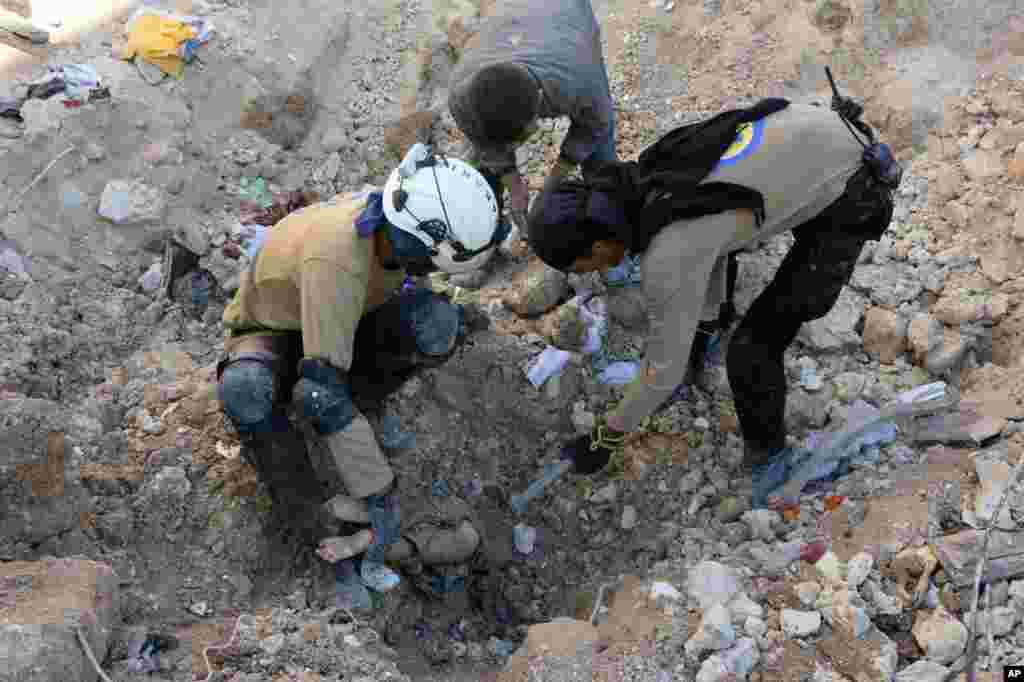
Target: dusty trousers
pixel 805 287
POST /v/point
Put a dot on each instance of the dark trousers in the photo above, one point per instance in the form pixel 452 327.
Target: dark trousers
pixel 805 288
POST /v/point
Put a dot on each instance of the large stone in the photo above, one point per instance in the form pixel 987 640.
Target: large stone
pixel 948 182
pixel 885 334
pixel 923 671
pixel 836 331
pixel 129 202
pixel 959 306
pixel 889 285
pixel 628 307
pixel 798 624
pixel 941 636
pixel 537 290
pixel 39 497
pixel 711 583
pixel 984 165
pixel 950 355
pixel 805 410
pixel 733 664
pixel 41 605
pixel 714 634
pixel 924 334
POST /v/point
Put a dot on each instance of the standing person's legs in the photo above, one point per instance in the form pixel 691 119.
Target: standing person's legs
pixel 805 288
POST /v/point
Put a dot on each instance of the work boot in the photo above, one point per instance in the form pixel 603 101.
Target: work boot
pixel 282 463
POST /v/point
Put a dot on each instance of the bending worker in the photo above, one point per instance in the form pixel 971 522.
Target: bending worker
pixel 534 59
pixel 694 196
pixel 318 316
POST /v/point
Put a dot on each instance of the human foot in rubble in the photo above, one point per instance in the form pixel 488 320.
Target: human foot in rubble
pixel 335 549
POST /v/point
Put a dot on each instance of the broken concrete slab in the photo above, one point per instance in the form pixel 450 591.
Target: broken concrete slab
pixel 38 500
pixel 959 554
pixel 42 604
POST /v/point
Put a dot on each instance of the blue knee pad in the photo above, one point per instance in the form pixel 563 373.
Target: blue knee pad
pixel 434 323
pixel 247 390
pixel 325 397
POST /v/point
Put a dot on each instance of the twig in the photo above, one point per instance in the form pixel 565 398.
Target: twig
pixel 45 171
pixel 988 627
pixel 597 602
pixel 972 628
pixel 90 655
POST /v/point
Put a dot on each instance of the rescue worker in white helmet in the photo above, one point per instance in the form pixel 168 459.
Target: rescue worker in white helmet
pixel 319 317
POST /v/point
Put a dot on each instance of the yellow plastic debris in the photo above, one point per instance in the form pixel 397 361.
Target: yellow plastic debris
pixel 156 40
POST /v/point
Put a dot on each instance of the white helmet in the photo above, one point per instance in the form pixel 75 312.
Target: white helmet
pixel 446 204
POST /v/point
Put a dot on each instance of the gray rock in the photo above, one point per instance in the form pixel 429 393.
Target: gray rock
pixel 755 627
pixel 628 306
pixel 193 236
pixel 889 285
pixel 714 634
pixel 38 497
pixel 711 583
pixel 732 664
pixel 804 410
pixel 117 527
pixel 743 607
pixel 127 202
pixel 334 138
pixel 797 624
pixel 629 517
pixel 923 671
pixel 858 568
pixel 807 593
pixel 1001 619
pixel 762 523
pixel 38 640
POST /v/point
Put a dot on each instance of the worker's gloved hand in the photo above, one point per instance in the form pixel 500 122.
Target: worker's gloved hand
pixel 591 453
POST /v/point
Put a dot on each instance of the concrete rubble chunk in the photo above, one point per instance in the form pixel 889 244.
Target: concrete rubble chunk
pixel 732 664
pixel 940 635
pixel 807 593
pixel 858 569
pixel 45 602
pixel 885 334
pixel 128 202
pixel 797 624
pixel 711 583
pixel 715 633
pixel 923 671
pixel 743 607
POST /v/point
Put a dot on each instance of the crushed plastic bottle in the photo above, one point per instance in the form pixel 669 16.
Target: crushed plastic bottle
pixel 392 437
pixel 552 472
pixel 619 373
pixel 525 538
pixel 439 488
pixel 254 191
pixel 868 429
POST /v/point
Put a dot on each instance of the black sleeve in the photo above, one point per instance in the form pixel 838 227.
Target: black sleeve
pixel 495 182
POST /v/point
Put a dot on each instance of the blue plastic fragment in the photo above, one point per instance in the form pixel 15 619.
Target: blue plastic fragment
pixel 439 488
pixel 504 648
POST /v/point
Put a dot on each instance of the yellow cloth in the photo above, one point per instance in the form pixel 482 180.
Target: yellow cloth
pixel 156 40
pixel 316 275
